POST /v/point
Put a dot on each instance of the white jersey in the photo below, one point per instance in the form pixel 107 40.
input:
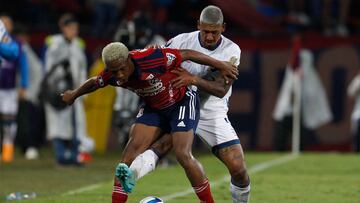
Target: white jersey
pixel 211 106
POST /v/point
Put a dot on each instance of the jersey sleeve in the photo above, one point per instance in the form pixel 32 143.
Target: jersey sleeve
pixel 235 53
pixel 174 43
pixel 105 78
pixel 10 50
pixel 173 58
pixel 24 69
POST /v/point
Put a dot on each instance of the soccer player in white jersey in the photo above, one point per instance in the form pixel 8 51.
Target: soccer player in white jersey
pixel 214 127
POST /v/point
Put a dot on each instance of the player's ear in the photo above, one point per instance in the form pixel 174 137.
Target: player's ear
pixel 223 27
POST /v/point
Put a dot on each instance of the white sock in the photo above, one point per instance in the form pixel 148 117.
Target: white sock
pixel 240 195
pixel 144 163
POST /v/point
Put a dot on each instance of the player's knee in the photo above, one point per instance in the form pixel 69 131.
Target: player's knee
pixel 184 157
pixel 240 175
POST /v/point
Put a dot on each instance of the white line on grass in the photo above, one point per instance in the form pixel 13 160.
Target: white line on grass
pixel 84 189
pixel 254 169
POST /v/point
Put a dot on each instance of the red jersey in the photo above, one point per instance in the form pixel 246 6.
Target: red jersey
pixel 151 77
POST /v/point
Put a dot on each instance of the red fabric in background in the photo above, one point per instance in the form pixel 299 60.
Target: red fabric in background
pixel 244 14
pixel 295 53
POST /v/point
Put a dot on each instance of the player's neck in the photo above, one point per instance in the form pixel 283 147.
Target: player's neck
pixel 131 66
pixel 211 48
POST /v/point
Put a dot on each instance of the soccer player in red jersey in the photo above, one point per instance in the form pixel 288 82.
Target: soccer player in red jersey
pixel 167 109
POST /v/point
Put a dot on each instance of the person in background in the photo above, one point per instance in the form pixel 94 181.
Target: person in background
pixel 105 16
pixel 98 107
pixel 354 92
pixel 12 62
pixel 314 108
pixel 135 33
pixel 30 116
pixel 66 67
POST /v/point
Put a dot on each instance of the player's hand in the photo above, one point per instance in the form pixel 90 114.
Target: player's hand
pixel 229 72
pixel 68 97
pixel 21 93
pixel 184 78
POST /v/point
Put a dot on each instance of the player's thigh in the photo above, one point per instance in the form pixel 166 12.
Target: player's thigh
pixel 141 137
pixel 221 137
pixel 182 142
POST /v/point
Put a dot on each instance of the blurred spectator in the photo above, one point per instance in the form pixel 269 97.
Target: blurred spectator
pixel 136 33
pixel 66 66
pixel 336 21
pixel 30 116
pixel 105 16
pixel 98 107
pixel 315 110
pixel 354 91
pixel 297 12
pixel 333 14
pixel 12 62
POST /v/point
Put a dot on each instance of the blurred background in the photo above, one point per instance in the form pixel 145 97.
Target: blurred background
pixel 263 29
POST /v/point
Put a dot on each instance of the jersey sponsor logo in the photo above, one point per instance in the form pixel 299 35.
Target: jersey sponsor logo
pixel 170 58
pixel 181 124
pixel 156 86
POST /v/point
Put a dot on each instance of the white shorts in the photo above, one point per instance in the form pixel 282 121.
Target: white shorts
pixel 9 102
pixel 217 133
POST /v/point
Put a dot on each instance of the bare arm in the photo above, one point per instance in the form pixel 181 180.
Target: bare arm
pixel 215 85
pixel 227 69
pixel 88 86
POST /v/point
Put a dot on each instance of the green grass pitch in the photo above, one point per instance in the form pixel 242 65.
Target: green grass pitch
pixel 308 178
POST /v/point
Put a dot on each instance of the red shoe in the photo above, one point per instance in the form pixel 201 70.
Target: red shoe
pixel 84 157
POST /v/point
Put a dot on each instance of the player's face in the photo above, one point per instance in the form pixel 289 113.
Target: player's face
pixel 7 23
pixel 70 30
pixel 120 70
pixel 210 34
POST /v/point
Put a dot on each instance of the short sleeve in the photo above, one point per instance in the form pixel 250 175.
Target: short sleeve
pixel 175 42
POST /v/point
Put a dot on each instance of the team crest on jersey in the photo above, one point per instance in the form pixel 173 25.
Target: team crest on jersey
pixel 170 58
